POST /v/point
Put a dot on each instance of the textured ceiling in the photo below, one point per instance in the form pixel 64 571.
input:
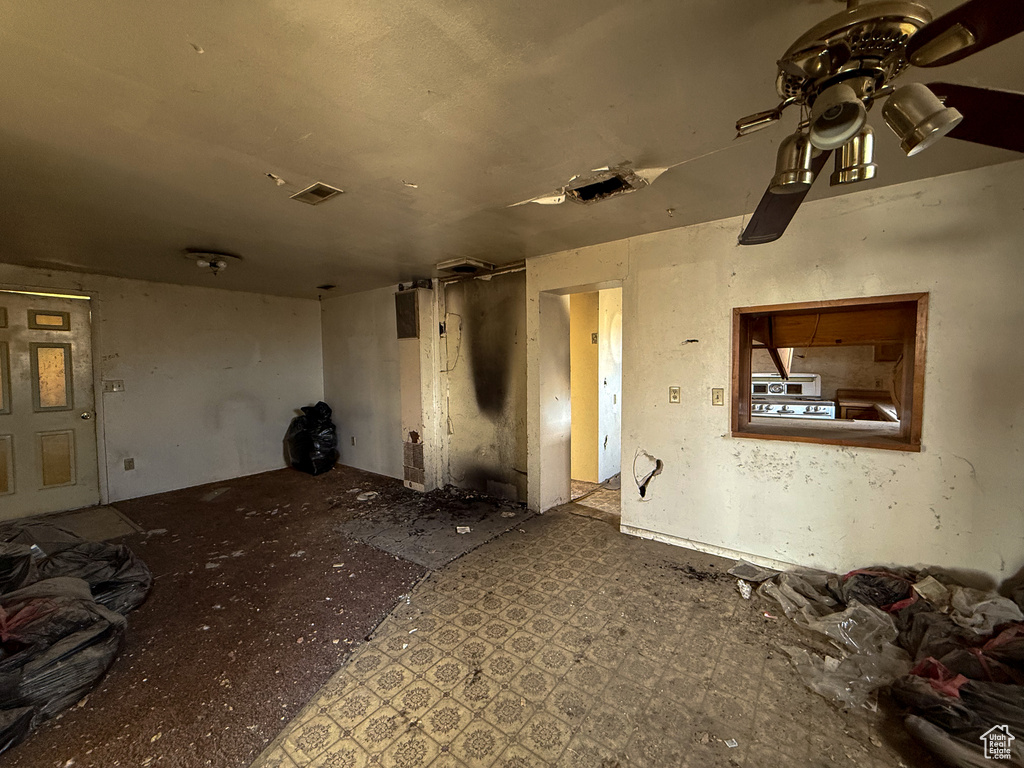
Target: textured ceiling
pixel 132 131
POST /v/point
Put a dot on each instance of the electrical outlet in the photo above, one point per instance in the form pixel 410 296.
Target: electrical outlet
pixel 129 464
pixel 717 396
pixel 673 394
pixel 113 385
pixel 593 338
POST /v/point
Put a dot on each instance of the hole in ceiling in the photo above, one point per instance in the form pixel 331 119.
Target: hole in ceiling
pixel 316 193
pixel 609 184
pixel 326 287
pixel 600 189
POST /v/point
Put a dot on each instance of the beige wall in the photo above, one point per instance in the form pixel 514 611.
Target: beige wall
pixel 584 320
pixel 361 379
pixel 958 503
pixel 212 377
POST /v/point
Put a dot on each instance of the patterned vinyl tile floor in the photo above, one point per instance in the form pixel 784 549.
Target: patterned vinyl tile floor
pixel 566 643
pixel 602 504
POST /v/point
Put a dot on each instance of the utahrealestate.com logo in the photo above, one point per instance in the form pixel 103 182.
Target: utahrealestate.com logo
pixel 997 740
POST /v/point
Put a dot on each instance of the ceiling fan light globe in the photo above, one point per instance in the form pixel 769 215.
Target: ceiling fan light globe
pixel 836 117
pixel 793 168
pixel 855 159
pixel 918 117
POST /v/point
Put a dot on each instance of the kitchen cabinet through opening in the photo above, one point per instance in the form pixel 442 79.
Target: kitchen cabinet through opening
pixel 843 372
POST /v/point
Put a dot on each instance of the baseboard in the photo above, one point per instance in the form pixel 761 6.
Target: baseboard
pixel 709 549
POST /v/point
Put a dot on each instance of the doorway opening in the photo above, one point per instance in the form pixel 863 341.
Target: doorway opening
pixel 595 376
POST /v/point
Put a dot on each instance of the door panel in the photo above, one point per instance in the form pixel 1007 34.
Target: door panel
pixel 47 432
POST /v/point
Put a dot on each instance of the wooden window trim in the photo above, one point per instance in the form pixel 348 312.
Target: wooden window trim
pixel 912 400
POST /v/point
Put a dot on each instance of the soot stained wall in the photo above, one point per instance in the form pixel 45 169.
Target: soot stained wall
pixel 486 384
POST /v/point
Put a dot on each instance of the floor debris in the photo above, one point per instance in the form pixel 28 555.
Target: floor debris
pixel 951 655
pixel 568 644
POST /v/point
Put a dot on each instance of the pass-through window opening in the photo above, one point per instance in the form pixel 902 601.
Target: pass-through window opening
pixel 891 329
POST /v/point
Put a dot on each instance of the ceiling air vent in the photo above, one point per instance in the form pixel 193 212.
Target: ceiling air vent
pixel 316 193
pixel 464 267
pixel 611 183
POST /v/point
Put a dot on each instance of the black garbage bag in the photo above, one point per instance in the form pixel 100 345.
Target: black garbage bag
pixel 935 634
pixel 312 440
pixel 56 642
pixel 880 588
pixel 47 538
pixel 118 579
pixel 957 722
pixel 14 726
pixel 16 569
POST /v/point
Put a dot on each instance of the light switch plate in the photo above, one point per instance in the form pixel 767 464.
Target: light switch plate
pixel 717 396
pixel 673 394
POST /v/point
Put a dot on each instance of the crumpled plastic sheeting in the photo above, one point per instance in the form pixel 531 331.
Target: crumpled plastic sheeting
pixel 966 680
pixel 866 636
pixel 852 680
pixel 981 612
pixel 802 594
pixel 859 629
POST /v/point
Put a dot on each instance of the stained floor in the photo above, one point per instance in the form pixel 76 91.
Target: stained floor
pixel 432 529
pixel 566 643
pixel 258 599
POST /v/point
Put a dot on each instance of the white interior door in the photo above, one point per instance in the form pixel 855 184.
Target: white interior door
pixel 47 406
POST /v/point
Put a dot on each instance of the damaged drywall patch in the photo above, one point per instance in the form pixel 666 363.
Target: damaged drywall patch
pixel 645 469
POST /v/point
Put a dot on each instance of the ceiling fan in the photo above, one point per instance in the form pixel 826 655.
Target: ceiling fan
pixel 838 69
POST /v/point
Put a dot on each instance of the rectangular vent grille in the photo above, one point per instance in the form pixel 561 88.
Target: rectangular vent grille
pixel 464 267
pixel 316 193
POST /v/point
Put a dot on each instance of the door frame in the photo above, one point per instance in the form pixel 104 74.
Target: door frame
pixel 58 291
pixel 548 441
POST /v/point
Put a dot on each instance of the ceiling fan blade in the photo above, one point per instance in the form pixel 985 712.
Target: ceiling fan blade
pixel 967 29
pixel 774 212
pixel 991 117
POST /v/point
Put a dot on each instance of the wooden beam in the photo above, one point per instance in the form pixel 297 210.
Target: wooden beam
pixel 782 366
pixel 888 325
